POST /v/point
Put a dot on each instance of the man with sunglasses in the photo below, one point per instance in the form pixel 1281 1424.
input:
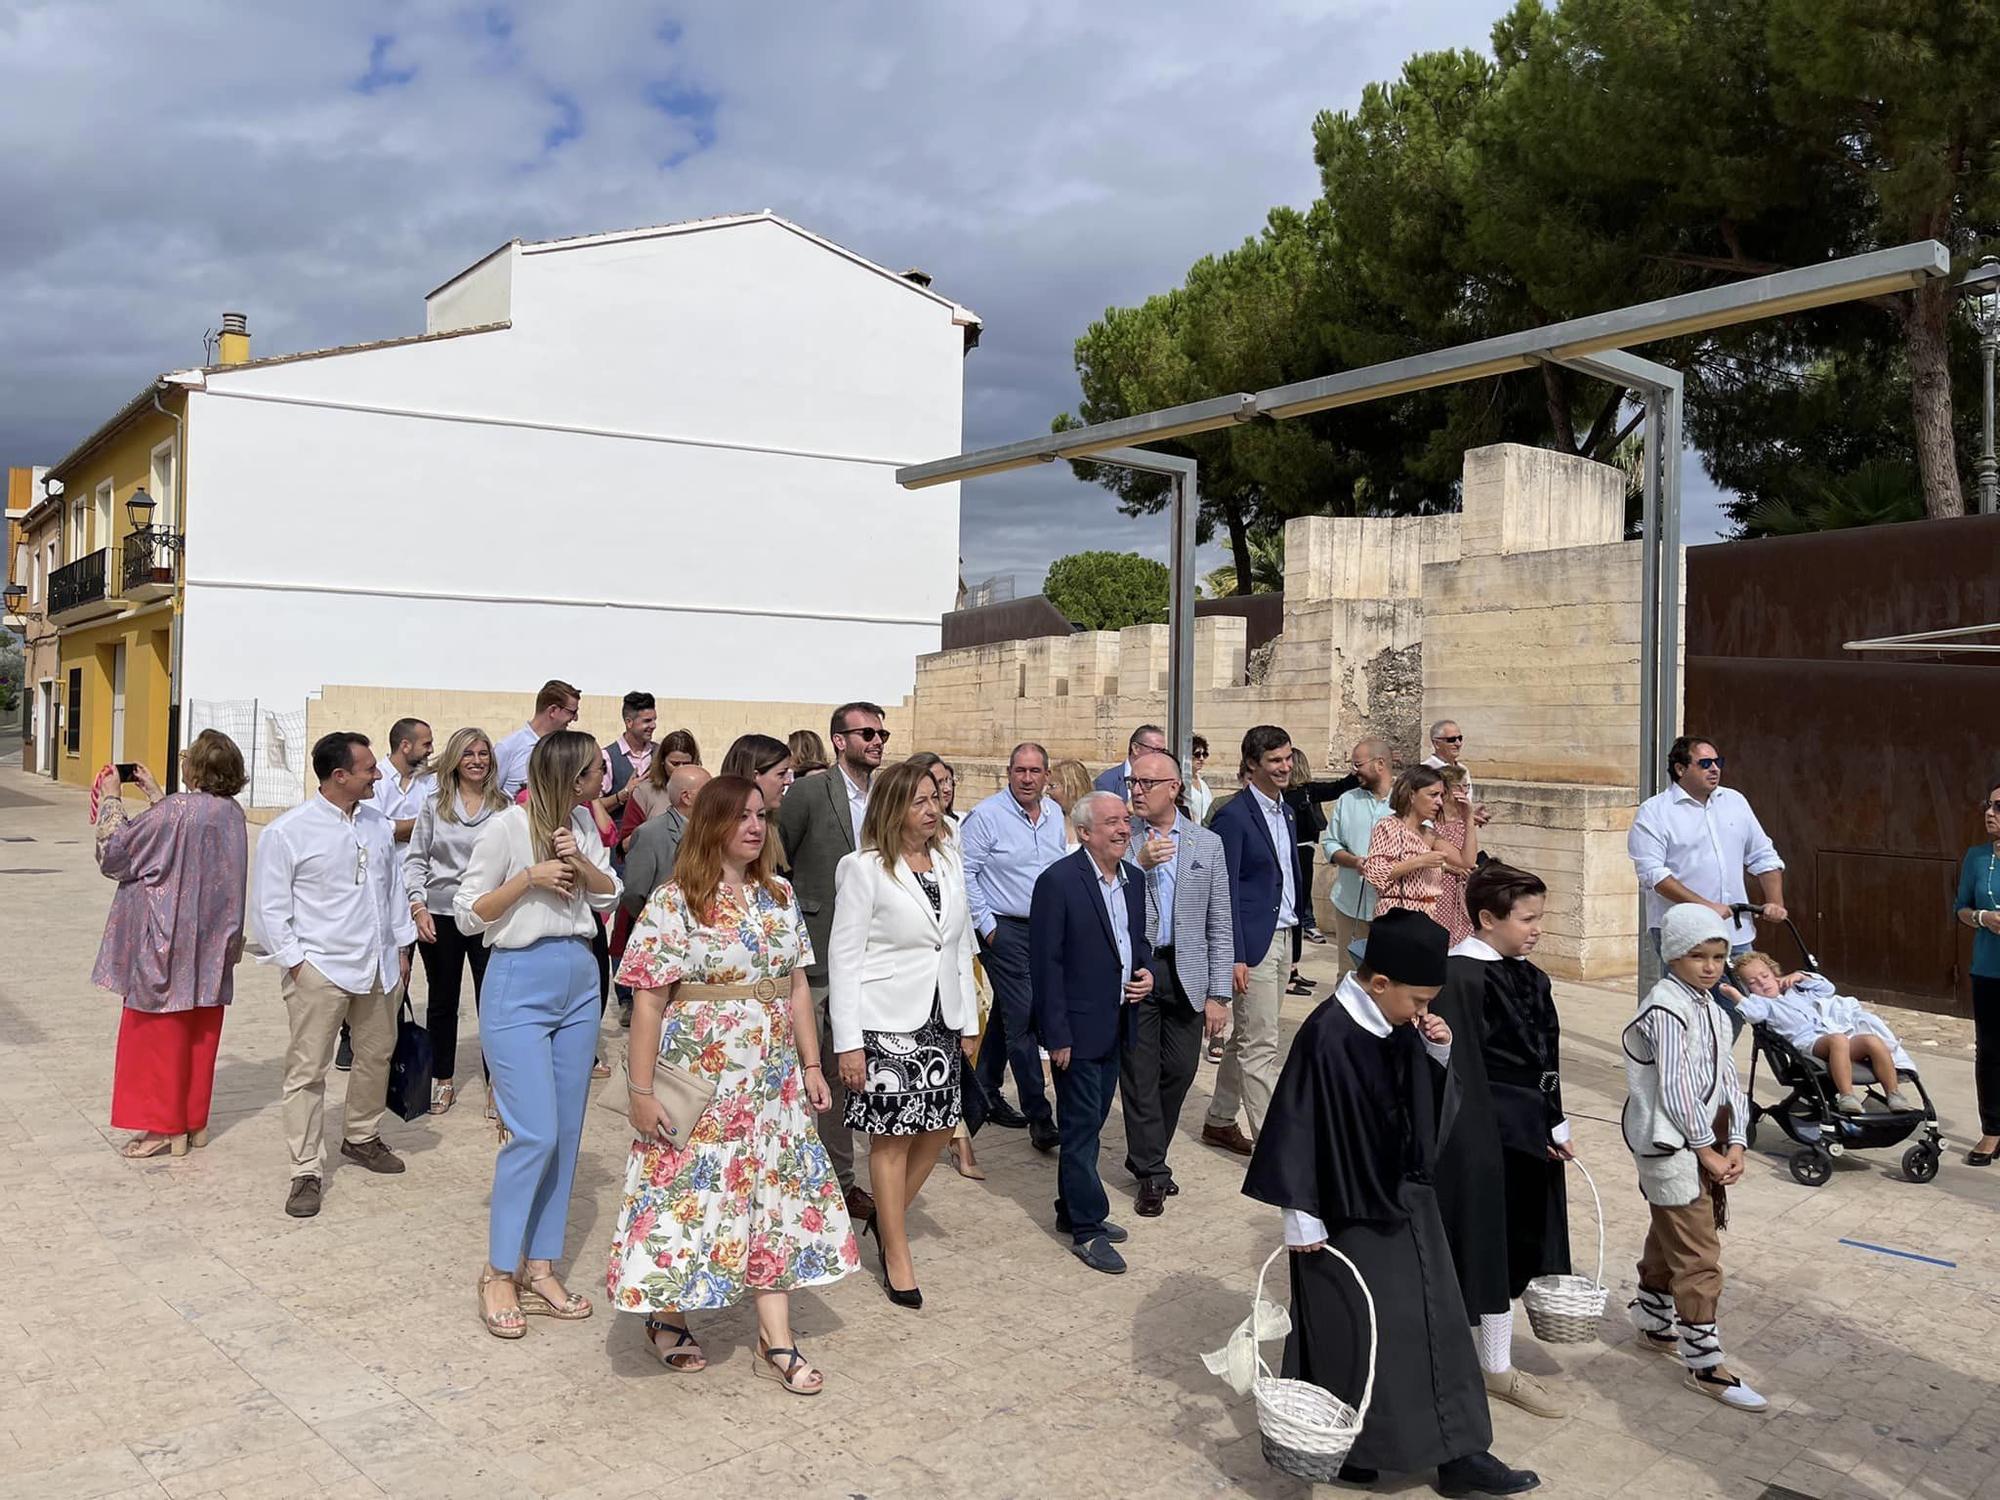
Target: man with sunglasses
pixel 1695 841
pixel 1447 746
pixel 820 823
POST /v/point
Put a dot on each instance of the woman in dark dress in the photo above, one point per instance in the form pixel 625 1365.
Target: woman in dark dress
pixel 1347 1151
pixel 1500 1177
pixel 899 992
pixel 1305 797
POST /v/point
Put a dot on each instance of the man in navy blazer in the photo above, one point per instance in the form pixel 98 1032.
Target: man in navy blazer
pixel 1259 839
pixel 1088 954
pixel 1145 739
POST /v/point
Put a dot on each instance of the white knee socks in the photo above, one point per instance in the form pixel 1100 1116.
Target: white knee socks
pixel 1495 1333
pixel 1701 1344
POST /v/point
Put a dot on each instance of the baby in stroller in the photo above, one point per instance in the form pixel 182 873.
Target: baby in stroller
pixel 1804 1008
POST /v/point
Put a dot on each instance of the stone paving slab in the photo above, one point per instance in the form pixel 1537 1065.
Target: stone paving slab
pixel 165 1331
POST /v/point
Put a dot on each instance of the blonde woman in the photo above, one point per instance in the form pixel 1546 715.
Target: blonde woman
pixel 748 1205
pixel 447 827
pixel 1069 780
pixel 538 877
pixel 899 990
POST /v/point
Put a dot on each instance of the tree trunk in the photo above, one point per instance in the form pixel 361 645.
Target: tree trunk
pixel 1239 546
pixel 1925 336
pixel 1556 390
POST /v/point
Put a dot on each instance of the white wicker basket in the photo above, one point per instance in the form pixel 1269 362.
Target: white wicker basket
pixel 1306 1429
pixel 1566 1309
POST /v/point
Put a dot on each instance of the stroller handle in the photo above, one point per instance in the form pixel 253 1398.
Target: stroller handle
pixel 1752 909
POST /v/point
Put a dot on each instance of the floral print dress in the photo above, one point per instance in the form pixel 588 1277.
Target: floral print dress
pixel 751 1204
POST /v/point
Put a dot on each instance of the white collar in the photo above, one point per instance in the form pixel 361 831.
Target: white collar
pixel 1361 1006
pixel 1679 793
pixel 1270 805
pixel 853 791
pixel 351 816
pixel 1478 948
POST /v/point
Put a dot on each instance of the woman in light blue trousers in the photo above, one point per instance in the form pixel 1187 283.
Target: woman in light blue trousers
pixel 536 881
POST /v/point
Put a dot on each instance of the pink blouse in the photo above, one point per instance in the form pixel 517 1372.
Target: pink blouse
pixel 1451 893
pixel 1392 842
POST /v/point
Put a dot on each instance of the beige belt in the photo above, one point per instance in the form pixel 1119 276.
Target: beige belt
pixel 763 989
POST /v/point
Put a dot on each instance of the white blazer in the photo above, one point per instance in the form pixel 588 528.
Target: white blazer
pixel 888 952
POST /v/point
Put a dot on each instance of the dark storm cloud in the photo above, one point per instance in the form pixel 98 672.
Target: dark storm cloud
pixel 321 167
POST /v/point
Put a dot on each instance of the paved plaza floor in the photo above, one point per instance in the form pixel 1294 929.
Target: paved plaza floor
pixel 165 1330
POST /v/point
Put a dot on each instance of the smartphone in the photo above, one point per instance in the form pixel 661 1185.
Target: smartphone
pixel 128 770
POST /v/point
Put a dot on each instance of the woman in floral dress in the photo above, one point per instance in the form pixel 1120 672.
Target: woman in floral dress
pixel 717 962
pixel 1453 829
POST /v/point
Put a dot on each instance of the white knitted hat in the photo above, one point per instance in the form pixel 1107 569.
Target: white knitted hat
pixel 1687 926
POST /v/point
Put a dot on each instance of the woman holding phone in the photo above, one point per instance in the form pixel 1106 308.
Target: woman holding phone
pixel 173 938
pixel 538 878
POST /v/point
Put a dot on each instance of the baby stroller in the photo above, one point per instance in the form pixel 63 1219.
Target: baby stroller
pixel 1807 1114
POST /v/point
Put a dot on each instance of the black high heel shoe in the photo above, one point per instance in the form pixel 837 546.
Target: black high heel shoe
pixel 914 1297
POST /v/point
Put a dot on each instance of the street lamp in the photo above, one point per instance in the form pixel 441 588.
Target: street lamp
pixel 13 594
pixel 1986 314
pixel 139 510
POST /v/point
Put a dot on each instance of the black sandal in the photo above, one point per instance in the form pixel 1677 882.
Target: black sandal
pixel 676 1358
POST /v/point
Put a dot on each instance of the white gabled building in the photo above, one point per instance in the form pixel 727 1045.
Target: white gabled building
pixel 661 458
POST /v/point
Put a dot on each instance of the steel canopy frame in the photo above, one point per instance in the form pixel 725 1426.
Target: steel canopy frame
pixel 1591 345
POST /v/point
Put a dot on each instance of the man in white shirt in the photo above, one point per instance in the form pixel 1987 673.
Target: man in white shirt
pixel 399 796
pixel 327 890
pixel 555 708
pixel 1447 745
pixel 1694 841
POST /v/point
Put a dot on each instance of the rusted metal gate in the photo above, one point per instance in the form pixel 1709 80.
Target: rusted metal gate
pixel 1866 769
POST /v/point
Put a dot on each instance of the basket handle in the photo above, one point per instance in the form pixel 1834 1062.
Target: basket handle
pixel 1368 1385
pixel 1598 1204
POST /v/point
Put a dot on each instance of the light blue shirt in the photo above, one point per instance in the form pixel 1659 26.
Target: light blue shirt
pixel 1004 853
pixel 510 760
pixel 1283 842
pixel 1161 878
pixel 1355 815
pixel 1113 891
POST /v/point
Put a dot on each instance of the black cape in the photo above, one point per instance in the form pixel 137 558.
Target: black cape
pixel 1503 1200
pixel 1350 1138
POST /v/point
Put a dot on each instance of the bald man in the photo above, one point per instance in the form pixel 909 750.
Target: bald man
pixel 649 862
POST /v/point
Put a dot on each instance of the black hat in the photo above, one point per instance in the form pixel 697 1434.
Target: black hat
pixel 1408 947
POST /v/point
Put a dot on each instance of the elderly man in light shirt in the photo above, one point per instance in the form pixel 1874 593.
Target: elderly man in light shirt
pixel 1447 749
pixel 327 890
pixel 1694 842
pixel 1008 840
pixel 1348 831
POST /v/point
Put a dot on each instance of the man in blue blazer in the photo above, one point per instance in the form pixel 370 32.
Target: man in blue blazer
pixel 1146 739
pixel 1088 954
pixel 1260 841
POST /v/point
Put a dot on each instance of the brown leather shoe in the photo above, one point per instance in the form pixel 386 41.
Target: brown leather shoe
pixel 302 1202
pixel 1229 1137
pixel 373 1155
pixel 860 1206
pixel 1152 1200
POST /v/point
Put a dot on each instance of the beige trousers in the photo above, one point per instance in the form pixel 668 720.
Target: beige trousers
pixel 1347 931
pixel 317 1006
pixel 1249 1071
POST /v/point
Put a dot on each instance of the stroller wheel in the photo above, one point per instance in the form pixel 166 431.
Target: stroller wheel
pixel 1811 1167
pixel 1920 1162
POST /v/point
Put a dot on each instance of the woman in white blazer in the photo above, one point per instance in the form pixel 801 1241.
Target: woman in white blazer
pixel 899 990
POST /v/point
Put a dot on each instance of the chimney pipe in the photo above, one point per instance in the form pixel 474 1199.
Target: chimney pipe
pixel 233 348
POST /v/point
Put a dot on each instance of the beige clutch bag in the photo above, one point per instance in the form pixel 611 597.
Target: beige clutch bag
pixel 683 1095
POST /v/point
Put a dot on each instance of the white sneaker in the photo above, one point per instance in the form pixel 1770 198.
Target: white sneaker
pixel 1898 1100
pixel 1848 1104
pixel 1719 1384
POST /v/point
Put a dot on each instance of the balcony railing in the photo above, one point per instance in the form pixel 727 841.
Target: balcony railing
pixel 79 583
pixel 149 565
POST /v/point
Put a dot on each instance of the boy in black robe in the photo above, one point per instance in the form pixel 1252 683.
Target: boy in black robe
pixel 1347 1150
pixel 1500 1173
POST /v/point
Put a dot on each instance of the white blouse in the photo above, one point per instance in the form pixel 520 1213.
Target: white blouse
pixel 502 853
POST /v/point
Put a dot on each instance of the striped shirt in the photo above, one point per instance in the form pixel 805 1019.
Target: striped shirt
pixel 1687 1067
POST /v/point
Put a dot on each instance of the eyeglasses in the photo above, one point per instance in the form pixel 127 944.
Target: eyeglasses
pixel 360 863
pixel 1993 806
pixel 1451 739
pixel 1709 762
pixel 1199 754
pixel 1147 783
pixel 868 736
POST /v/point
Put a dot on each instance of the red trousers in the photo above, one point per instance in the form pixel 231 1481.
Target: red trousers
pixel 166 1069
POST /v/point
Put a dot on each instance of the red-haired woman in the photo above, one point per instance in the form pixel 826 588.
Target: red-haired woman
pixel 750 1205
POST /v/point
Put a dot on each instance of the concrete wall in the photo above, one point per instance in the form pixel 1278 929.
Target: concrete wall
pixel 1518 617
pixel 675 469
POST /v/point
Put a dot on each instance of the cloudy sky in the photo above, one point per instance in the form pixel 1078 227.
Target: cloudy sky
pixel 321 167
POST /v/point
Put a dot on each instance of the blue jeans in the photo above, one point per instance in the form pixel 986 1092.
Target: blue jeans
pixel 1010 1030
pixel 1083 1102
pixel 538 1020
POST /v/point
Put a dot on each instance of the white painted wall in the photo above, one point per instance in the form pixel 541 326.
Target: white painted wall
pixel 479 295
pixel 674 471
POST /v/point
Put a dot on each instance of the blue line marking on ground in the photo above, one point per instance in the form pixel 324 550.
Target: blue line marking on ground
pixel 1929 1260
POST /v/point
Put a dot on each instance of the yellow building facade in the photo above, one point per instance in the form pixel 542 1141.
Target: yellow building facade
pixel 113 598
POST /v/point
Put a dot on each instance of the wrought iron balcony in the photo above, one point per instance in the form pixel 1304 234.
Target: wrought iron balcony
pixel 78 585
pixel 149 564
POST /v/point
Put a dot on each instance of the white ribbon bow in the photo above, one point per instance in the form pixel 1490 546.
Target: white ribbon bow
pixel 1236 1361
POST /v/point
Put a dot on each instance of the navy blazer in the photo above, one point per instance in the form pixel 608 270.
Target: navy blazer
pixel 1254 872
pixel 1079 993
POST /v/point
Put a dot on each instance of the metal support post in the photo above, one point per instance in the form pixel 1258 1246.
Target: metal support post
pixel 1185 510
